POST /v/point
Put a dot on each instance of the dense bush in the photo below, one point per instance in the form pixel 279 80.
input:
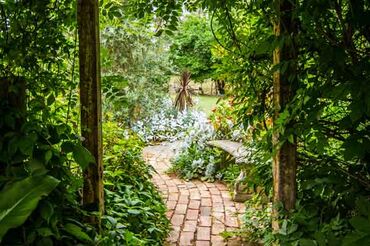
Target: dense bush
pixel 225 122
pixel 39 147
pixel 135 212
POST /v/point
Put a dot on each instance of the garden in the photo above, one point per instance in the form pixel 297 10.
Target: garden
pixel 110 111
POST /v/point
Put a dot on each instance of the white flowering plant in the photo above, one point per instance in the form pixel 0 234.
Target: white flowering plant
pixel 196 159
pixel 192 128
pixel 167 124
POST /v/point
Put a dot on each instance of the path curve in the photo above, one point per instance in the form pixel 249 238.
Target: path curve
pixel 199 211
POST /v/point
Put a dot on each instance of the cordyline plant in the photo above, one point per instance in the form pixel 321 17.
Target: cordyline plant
pixel 184 97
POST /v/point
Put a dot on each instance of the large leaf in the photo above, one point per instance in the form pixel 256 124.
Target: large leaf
pixel 19 199
pixel 82 156
pixel 77 232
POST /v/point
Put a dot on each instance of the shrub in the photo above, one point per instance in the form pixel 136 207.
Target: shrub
pixel 225 123
pixel 167 124
pixel 195 159
pixel 135 212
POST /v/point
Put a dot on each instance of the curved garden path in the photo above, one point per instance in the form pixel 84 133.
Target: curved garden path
pixel 199 211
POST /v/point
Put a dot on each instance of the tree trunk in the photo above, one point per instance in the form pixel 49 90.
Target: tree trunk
pixel 90 96
pixel 220 87
pixel 284 83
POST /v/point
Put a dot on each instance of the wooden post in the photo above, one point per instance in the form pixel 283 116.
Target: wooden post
pixel 284 82
pixel 90 96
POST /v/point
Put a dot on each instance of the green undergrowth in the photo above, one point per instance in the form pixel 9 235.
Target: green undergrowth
pixel 135 212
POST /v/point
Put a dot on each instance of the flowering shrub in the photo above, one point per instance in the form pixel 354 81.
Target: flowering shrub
pixel 167 124
pixel 224 121
pixel 195 159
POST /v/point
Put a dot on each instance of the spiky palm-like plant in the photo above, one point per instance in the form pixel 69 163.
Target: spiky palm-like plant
pixel 184 97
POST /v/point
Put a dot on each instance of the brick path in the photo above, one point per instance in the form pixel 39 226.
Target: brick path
pixel 199 211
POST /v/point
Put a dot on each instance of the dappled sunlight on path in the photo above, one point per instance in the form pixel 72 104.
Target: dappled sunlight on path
pixel 199 211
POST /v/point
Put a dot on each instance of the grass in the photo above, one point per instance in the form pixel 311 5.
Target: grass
pixel 206 103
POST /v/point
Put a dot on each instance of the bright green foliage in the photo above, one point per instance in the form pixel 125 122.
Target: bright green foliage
pixel 37 46
pixel 19 199
pixel 206 103
pixel 135 212
pixel 191 47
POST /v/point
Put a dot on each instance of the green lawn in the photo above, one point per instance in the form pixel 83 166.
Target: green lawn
pixel 206 103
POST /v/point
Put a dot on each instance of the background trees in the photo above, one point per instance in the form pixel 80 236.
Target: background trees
pixel 191 47
pixel 135 67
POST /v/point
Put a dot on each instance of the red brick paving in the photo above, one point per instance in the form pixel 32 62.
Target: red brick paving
pixel 199 211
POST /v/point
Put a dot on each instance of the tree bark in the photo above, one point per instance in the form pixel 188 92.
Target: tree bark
pixel 90 97
pixel 220 86
pixel 284 83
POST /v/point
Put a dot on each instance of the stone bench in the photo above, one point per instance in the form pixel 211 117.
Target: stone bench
pixel 238 152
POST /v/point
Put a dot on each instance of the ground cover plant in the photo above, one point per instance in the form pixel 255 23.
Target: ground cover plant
pixel 135 213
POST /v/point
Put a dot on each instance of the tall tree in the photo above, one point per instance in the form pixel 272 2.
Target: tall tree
pixel 284 84
pixel 191 47
pixel 90 96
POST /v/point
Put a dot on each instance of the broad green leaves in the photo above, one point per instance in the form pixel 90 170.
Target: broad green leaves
pixel 19 199
pixel 77 232
pixel 81 155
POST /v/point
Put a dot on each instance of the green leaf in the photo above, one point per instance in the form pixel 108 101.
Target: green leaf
pixel 354 239
pixel 46 241
pixel 82 156
pixel 19 199
pixel 45 232
pixel 25 145
pixel 51 99
pixel 360 224
pixel 68 147
pixel 291 139
pixel 77 232
pixel 133 211
pixel 48 155
pixel 283 229
pixel 363 205
pixel 307 242
pixel 36 167
pixel 47 211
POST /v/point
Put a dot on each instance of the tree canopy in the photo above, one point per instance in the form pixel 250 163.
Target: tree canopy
pixel 191 47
